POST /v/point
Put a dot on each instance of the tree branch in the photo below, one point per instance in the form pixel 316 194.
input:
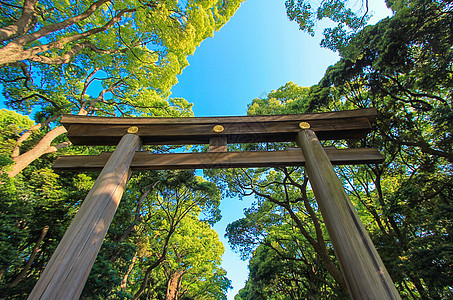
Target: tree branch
pixel 15 50
pixel 32 257
pixel 58 26
pixel 25 159
pixel 23 138
pixel 55 148
pixel 26 21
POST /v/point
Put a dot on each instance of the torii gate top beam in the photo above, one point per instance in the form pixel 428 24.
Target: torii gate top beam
pixel 93 131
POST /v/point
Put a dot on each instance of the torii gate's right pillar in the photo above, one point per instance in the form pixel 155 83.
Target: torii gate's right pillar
pixel 362 268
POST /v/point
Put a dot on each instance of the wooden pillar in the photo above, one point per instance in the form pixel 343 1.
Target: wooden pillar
pixel 362 268
pixel 67 270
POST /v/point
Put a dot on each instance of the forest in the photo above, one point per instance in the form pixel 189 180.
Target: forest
pixel 121 58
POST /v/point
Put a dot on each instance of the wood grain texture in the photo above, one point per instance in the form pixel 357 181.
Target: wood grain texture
pixel 218 144
pixel 362 268
pixel 212 160
pixel 65 274
pixel 369 113
pixel 250 129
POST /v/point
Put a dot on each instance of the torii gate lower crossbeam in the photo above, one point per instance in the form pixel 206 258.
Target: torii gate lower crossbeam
pixel 67 271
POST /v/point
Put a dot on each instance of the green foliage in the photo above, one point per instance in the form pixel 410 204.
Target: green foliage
pixel 161 231
pixel 288 99
pixel 283 221
pixel 402 67
pixel 120 59
pixel 274 275
pixel 100 58
pixel 159 213
pixel 345 14
pixel 33 205
pixel 12 125
pixel 133 63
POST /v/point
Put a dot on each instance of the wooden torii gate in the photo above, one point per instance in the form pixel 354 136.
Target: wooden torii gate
pixel 67 271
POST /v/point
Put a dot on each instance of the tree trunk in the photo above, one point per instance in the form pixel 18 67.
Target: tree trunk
pixel 12 53
pixel 174 285
pixel 129 270
pixel 22 25
pixel 148 273
pixel 322 252
pixel 31 258
pixel 161 258
pixel 43 146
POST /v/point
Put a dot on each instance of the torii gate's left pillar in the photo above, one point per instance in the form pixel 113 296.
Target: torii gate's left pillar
pixel 67 271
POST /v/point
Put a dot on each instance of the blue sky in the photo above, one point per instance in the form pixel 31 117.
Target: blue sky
pixel 256 52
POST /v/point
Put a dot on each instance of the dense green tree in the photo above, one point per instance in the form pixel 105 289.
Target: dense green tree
pixel 98 58
pixel 283 269
pixel 283 205
pixel 347 16
pixel 287 99
pixel 52 32
pixel 107 59
pixel 36 207
pixel 147 234
pixel 158 229
pixel 192 266
pixel 401 66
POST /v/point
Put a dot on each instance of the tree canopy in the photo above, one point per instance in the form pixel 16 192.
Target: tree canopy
pixel 101 58
pixel 347 16
pixel 402 67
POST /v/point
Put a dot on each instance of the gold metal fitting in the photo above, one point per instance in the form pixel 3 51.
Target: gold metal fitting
pixel 304 125
pixel 132 129
pixel 218 128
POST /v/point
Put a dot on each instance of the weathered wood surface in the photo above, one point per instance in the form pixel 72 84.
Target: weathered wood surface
pixel 362 268
pixel 65 274
pixel 84 130
pixel 212 160
pixel 218 144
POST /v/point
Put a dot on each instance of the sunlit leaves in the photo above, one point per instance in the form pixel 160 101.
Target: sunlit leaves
pixel 349 17
pixel 142 52
pixel 12 125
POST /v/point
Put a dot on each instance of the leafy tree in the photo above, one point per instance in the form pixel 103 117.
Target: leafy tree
pixel 12 125
pixel 161 215
pixel 285 100
pixel 108 59
pixel 283 205
pixel 98 58
pixel 348 16
pixel 394 67
pixel 53 33
pixel 157 225
pixel 401 66
pixel 36 207
pixel 192 266
pixel 277 273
